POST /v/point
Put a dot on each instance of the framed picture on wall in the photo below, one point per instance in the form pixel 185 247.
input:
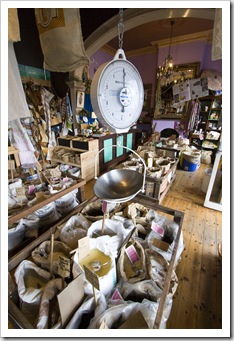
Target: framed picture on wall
pixel 80 96
pixel 147 97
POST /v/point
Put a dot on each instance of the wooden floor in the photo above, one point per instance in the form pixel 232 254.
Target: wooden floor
pixel 198 300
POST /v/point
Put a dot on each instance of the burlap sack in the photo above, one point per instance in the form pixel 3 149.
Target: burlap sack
pixel 128 271
pixel 42 256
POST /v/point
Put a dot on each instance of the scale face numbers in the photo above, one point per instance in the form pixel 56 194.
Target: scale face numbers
pixel 117 95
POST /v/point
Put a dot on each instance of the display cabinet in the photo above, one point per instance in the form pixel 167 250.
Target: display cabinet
pixel 110 155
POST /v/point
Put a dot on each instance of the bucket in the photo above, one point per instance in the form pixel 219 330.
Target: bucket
pixel 206 180
pixel 107 274
pixel 189 166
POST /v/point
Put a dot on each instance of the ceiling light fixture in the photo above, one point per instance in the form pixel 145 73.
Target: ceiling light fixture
pixel 166 71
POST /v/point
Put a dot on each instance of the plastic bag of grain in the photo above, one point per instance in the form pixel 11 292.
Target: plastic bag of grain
pixel 66 203
pixel 88 310
pixel 47 214
pixel 100 252
pixel 113 229
pixel 16 235
pixel 136 292
pixel 31 223
pixel 164 230
pixel 49 313
pixel 116 316
pixel 30 280
pixel 74 229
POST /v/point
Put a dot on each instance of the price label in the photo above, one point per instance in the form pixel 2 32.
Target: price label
pixel 20 192
pixel 132 254
pixel 92 277
pixel 158 229
pixel 64 266
pixel 11 164
pixel 104 207
pixel 116 296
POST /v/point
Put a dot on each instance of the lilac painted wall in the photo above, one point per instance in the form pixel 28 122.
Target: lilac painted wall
pixel 99 58
pixel 162 124
pixel 146 65
pixel 207 63
pixel 199 51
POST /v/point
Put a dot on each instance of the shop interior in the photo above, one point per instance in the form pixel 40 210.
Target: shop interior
pixel 115 170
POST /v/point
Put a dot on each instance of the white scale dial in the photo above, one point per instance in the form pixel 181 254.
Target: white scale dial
pixel 117 94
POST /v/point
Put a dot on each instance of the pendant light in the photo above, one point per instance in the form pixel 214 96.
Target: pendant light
pixel 165 72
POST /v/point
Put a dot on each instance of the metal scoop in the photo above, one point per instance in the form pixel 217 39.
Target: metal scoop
pixel 96 265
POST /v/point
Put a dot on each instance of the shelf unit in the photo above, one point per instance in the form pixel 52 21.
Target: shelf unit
pixel 84 148
pixel 210 120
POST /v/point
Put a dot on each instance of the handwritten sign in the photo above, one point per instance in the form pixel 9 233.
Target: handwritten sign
pixel 84 248
pixel 92 277
pixel 20 192
pixel 64 266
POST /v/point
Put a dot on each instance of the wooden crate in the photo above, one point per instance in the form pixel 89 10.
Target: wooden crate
pixel 86 161
pixel 158 188
pixel 84 143
pixel 80 143
pixel 65 141
pixel 15 315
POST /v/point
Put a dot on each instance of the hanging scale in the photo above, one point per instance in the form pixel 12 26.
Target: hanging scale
pixel 117 92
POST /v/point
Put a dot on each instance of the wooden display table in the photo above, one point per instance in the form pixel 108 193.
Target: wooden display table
pixel 17 214
pixel 18 319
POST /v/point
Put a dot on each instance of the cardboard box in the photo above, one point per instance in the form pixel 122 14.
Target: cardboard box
pixel 106 275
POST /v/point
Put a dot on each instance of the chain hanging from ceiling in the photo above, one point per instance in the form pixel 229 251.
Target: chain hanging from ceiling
pixel 168 72
pixel 120 28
